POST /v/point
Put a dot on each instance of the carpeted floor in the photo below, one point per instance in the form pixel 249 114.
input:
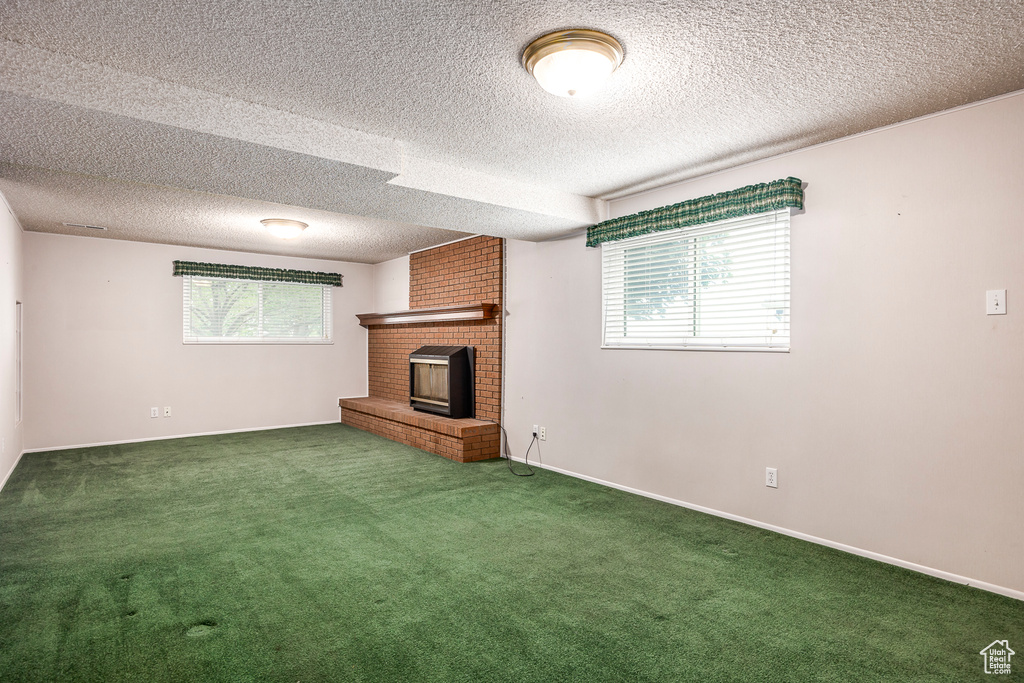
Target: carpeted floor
pixel 329 554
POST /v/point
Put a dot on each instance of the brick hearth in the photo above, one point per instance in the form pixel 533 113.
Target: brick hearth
pixel 464 440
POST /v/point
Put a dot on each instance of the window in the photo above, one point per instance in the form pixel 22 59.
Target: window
pixel 722 285
pixel 229 310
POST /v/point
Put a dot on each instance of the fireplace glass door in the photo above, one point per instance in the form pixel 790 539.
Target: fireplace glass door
pixel 430 381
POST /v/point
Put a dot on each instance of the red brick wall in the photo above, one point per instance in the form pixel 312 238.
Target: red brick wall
pixel 465 272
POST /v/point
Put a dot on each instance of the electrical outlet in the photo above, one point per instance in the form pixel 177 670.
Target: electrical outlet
pixel 154 412
pixel 543 434
pixel 771 477
pixel 536 429
pixel 3 444
pixel 167 411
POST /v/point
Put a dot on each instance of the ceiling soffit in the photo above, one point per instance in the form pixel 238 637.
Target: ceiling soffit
pixel 39 74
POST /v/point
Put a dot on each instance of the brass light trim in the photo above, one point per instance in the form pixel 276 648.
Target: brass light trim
pixel 573 39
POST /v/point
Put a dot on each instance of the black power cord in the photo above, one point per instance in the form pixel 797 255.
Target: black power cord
pixel 508 456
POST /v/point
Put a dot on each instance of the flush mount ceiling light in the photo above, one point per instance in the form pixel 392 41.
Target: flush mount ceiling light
pixel 284 228
pixel 572 63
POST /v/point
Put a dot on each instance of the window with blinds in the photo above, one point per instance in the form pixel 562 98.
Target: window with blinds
pixel 232 311
pixel 717 286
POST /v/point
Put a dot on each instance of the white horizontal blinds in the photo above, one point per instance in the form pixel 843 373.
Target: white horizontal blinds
pixel 223 309
pixel 717 285
pixel 290 311
pixel 327 302
pixel 247 311
pixel 186 309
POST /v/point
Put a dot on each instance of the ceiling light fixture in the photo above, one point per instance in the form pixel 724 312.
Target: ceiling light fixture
pixel 572 63
pixel 284 228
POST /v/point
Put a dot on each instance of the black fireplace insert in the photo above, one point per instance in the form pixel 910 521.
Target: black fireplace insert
pixel 441 380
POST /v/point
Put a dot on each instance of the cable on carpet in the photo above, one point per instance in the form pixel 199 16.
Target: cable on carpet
pixel 508 455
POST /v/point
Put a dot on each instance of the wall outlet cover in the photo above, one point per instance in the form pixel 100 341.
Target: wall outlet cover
pixel 771 477
pixel 995 302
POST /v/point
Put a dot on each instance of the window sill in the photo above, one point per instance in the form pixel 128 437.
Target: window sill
pixel 257 342
pixel 650 347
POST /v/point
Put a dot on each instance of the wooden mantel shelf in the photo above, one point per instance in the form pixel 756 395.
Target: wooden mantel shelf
pixel 429 315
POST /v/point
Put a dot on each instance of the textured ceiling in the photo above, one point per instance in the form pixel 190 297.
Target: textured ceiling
pixel 390 126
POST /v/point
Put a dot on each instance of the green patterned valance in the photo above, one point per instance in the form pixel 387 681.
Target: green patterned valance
pixel 308 277
pixel 745 201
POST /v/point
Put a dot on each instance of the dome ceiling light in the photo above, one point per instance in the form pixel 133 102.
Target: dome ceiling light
pixel 572 63
pixel 284 228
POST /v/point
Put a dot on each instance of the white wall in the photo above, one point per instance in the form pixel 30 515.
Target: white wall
pixel 896 420
pixel 103 323
pixel 10 293
pixel 391 286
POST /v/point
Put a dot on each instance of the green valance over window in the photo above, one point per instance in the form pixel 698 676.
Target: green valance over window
pixel 745 201
pixel 221 270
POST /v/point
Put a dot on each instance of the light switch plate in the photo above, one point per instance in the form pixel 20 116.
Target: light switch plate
pixel 995 302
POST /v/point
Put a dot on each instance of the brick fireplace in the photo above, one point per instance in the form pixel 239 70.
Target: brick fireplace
pixel 455 298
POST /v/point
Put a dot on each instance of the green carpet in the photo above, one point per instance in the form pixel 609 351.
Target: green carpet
pixel 329 554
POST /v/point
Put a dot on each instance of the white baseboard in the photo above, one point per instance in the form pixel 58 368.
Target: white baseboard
pixel 938 573
pixel 177 436
pixel 11 471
